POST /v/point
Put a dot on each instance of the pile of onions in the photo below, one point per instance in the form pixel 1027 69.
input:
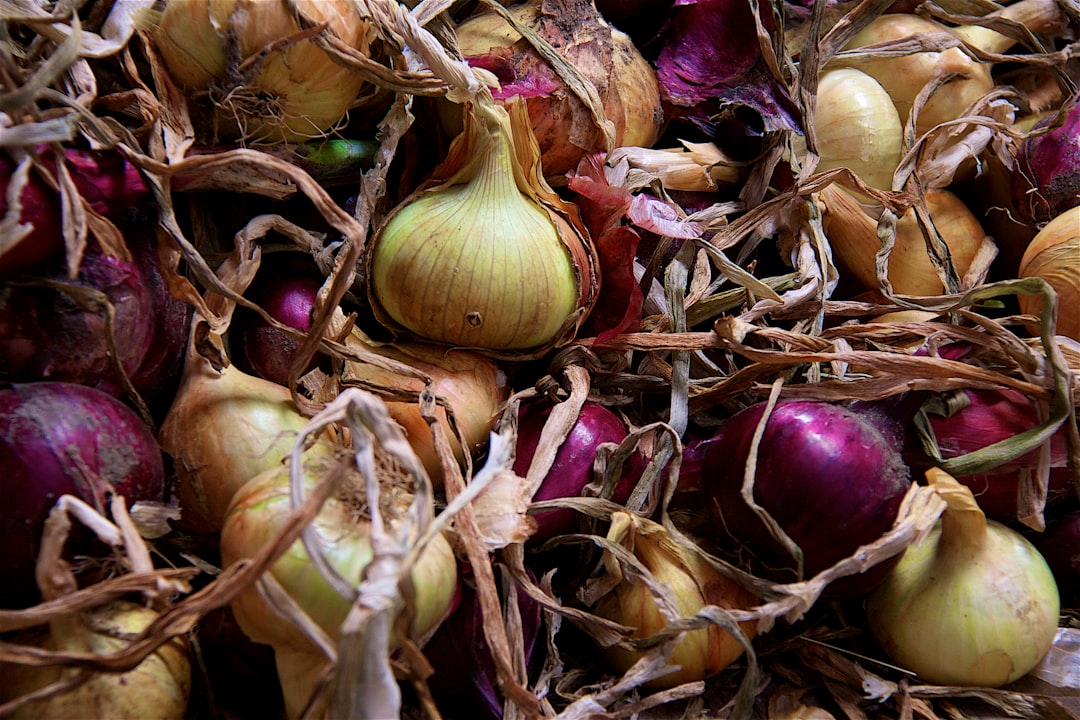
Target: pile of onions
pixel 565 126
pixel 830 478
pixel 1052 256
pixel 64 439
pixel 690 583
pixel 974 604
pixel 268 79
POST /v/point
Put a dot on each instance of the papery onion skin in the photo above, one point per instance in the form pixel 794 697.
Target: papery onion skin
pixel 61 438
pixel 967 607
pixel 572 469
pixel 624 79
pixel 828 476
pixel 158 687
pixel 1046 181
pixel 293 93
pixel 1052 256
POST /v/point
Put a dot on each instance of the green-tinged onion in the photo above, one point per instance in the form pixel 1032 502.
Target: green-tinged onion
pixel 974 604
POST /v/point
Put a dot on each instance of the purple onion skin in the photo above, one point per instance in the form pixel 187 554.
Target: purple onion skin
pixel 465 681
pixel 60 438
pixel 286 287
pixel 572 469
pixel 1046 182
pixel 828 476
pixel 1060 546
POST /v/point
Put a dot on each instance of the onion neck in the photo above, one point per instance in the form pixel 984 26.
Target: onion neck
pixel 963 525
pixel 1036 15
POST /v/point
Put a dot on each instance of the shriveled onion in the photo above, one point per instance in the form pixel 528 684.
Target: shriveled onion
pixel 974 604
pixel 268 80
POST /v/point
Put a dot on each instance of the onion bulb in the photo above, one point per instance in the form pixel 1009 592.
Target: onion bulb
pixel 857 127
pixel 342 534
pixel 485 254
pixel 1047 178
pixel 691 584
pixel 471 384
pixel 224 428
pixel 268 79
pixel 852 234
pixel 607 57
pixel 158 687
pixel 1052 256
pixel 973 604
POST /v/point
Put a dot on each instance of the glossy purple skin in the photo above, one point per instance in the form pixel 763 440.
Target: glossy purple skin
pixel 572 469
pixel 286 288
pixel 831 479
pixel 1060 546
pixel 61 438
pixel 1046 182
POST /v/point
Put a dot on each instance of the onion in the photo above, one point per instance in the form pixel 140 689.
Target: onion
pixel 485 254
pixel 974 604
pixel 60 438
pixel 833 480
pixel 1046 181
pixel 1052 256
pixel 572 468
pixel 266 80
pixel 342 532
pixel 106 182
pixel 562 123
pixel 57 329
pixel 225 427
pixel 690 584
pixel 464 676
pixel 286 287
pixel 980 418
pixel 472 385
pixel 158 687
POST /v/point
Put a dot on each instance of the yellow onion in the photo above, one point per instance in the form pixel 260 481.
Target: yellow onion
pixel 158 687
pixel 852 234
pixel 973 604
pixel 857 127
pixel 485 254
pixel 566 130
pixel 903 76
pixel 472 384
pixel 268 80
pixel 342 532
pixel 693 584
pixel 1054 256
pixel 224 428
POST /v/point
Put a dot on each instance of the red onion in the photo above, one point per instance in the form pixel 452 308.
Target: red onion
pixel 828 476
pixel 465 678
pixel 107 182
pixel 985 418
pixel 1047 178
pixel 286 288
pixel 55 331
pixel 61 438
pixel 573 466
